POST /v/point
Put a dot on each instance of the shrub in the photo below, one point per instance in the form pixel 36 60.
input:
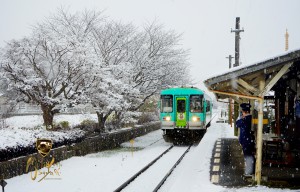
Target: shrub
pixel 88 122
pixel 88 125
pixel 64 124
pixel 147 117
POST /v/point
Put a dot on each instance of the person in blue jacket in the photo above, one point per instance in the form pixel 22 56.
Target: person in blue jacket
pixel 246 138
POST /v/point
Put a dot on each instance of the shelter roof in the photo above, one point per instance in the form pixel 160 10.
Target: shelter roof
pixel 247 80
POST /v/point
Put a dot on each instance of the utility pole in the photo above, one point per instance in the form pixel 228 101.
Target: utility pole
pixel 230 59
pixel 237 31
pixel 286 40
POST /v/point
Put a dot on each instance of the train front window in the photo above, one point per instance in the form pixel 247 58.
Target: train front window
pixel 196 103
pixel 180 106
pixel 166 104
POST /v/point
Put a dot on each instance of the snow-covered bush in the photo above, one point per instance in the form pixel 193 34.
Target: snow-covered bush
pixel 21 141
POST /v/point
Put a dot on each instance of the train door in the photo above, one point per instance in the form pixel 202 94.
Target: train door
pixel 181 112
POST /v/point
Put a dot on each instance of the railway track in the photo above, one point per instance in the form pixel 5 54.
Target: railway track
pixel 159 169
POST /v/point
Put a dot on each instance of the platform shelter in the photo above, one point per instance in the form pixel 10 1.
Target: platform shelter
pixel 272 86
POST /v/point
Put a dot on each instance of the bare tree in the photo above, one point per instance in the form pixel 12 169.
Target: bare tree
pixel 51 67
pixel 110 46
pixel 158 60
pixel 79 58
pixel 138 65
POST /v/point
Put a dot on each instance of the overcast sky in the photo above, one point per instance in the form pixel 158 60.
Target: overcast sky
pixel 205 25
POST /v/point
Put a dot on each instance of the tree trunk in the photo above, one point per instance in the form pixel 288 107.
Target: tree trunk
pixel 101 121
pixel 118 119
pixel 48 115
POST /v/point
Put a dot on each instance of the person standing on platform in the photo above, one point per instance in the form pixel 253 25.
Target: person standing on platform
pixel 246 138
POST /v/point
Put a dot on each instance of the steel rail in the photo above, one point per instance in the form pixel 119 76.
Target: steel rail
pixel 141 171
pixel 154 142
pixel 171 170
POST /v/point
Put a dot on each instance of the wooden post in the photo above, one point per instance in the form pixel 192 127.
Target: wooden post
pixel 236 115
pixel 259 137
pixel 229 113
pixel 277 114
pixel 259 143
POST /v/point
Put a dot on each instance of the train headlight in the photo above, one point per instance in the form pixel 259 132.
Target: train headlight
pixel 167 118
pixel 194 118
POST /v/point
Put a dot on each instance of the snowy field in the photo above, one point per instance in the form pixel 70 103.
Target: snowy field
pixel 23 130
pixel 105 171
pixel 36 120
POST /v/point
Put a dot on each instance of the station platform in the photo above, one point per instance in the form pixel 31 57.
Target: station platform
pixel 227 168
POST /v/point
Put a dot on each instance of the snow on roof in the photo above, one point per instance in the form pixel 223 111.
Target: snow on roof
pixel 244 69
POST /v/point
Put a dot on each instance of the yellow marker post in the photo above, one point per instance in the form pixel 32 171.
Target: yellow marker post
pixel 265 121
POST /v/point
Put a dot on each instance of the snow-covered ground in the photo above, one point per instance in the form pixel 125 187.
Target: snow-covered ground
pixel 23 130
pixel 105 171
pixel 36 120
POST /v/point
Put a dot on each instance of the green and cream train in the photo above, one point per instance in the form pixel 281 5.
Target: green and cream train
pixel 185 114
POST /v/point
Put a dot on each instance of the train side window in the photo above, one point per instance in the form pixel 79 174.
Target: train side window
pixel 207 106
pixel 196 104
pixel 166 104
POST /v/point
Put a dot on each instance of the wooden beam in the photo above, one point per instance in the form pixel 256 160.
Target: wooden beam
pixel 236 98
pixel 235 94
pixel 246 85
pixel 255 82
pixel 268 87
pixel 243 90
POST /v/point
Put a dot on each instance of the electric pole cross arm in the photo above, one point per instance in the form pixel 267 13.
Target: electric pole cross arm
pixel 237 30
